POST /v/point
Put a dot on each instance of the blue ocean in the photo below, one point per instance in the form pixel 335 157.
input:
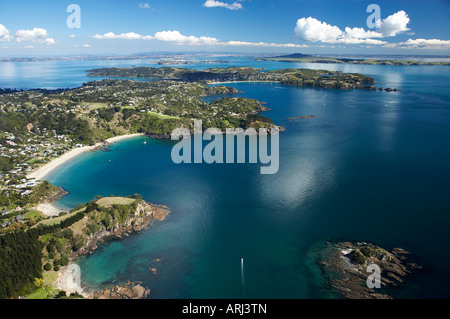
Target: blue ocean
pixel 370 166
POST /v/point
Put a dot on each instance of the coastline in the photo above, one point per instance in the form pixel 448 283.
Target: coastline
pixel 229 82
pixel 69 277
pixel 49 167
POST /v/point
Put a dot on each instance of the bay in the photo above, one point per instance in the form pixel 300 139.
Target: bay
pixel 370 166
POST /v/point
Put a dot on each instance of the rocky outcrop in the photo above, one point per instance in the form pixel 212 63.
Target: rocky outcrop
pixel 345 267
pixel 137 221
pixel 129 290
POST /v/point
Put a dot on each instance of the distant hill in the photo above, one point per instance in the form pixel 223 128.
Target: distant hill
pixel 294 56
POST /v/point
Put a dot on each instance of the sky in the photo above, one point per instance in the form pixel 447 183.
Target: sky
pixel 82 27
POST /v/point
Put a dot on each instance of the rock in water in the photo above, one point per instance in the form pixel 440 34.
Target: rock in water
pixel 129 290
pixel 348 267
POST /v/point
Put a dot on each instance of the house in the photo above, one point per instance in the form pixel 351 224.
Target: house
pixel 4 212
pixel 5 224
pixel 19 218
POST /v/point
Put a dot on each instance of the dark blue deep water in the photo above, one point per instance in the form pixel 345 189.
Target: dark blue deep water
pixel 371 166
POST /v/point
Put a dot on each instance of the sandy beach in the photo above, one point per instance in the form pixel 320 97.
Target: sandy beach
pixel 46 169
pixel 69 280
pixel 48 209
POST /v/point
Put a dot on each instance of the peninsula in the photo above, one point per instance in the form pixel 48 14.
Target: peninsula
pixel 304 58
pixel 296 77
pixel 56 242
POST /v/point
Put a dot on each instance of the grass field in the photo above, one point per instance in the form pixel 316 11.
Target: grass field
pixel 107 201
pixel 43 293
pixel 32 214
pixel 59 219
pixel 94 105
pixel 163 116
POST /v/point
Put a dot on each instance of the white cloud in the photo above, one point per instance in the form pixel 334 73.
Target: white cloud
pixel 231 6
pixel 4 33
pixel 313 30
pixel 263 44
pixel 430 44
pixel 126 36
pixel 394 24
pixel 360 33
pixel 83 45
pixel 36 35
pixel 72 35
pixel 28 47
pixel 178 38
pixel 144 6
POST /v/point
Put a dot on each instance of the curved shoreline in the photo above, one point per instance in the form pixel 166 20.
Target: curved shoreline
pixel 49 167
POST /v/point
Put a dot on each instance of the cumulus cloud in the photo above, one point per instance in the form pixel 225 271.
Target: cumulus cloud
pixel 177 37
pixel 263 44
pixel 360 33
pixel 83 45
pixel 313 30
pixel 36 35
pixel 394 24
pixel 231 6
pixel 4 33
pixel 126 36
pixel 430 44
pixel 165 36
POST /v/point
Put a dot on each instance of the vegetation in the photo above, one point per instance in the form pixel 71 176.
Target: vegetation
pixel 368 251
pixel 357 257
pixel 302 58
pixel 298 77
pixel 42 192
pixel 26 255
pixel 20 263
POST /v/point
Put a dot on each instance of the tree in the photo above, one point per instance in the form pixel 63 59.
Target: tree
pixel 38 282
pixel 357 257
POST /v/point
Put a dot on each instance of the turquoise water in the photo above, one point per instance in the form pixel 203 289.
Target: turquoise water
pixel 371 166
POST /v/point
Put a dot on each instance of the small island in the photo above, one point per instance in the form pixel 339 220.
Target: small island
pixel 344 266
